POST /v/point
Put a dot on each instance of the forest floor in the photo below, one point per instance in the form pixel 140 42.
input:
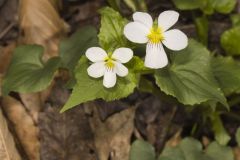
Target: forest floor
pixel 96 130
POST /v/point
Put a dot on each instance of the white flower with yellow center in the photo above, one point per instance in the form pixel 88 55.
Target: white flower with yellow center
pixel 142 30
pixel 108 65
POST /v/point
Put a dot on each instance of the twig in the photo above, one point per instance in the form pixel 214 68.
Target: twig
pixel 7 29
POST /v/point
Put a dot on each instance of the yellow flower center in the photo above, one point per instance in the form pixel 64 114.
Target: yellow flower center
pixel 109 63
pixel 155 35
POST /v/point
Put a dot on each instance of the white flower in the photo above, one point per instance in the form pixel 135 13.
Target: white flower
pixel 108 65
pixel 143 30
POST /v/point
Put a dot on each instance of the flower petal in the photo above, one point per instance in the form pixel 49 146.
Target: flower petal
pixel 109 79
pixel 167 19
pixel 121 70
pixel 96 70
pixel 175 40
pixel 96 54
pixel 136 32
pixel 143 18
pixel 155 56
pixel 123 55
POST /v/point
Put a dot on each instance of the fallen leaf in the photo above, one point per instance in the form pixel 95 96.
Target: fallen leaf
pixel 1 78
pixel 112 136
pixel 110 108
pixel 32 101
pixel 86 11
pixel 1 2
pixel 8 14
pixel 44 95
pixel 5 56
pixel 56 4
pixel 156 120
pixel 66 136
pixel 175 140
pixel 236 152
pixel 24 126
pixel 205 141
pixel 8 149
pixel 41 24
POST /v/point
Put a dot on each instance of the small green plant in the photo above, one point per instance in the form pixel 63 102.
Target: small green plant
pixel 187 149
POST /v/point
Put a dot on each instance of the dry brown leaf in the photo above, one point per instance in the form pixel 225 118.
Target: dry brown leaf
pixel 44 95
pixel 41 24
pixel 205 141
pixel 86 11
pixel 56 4
pixel 1 78
pixel 65 136
pixel 236 152
pixel 5 56
pixel 8 14
pixel 24 126
pixel 175 140
pixel 154 120
pixel 8 149
pixel 33 103
pixel 112 137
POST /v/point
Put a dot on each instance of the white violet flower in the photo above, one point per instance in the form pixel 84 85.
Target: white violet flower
pixel 108 65
pixel 143 30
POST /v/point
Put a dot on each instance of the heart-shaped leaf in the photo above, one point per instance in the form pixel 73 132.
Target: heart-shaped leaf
pixel 141 150
pixel 27 72
pixel 227 73
pixel 189 77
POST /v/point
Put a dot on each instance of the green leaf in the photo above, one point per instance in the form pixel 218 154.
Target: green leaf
pixel 189 77
pixel 27 73
pixel 73 48
pixel 220 134
pixel 188 149
pixel 172 153
pixel 218 152
pixel 238 136
pixel 115 4
pixel 235 18
pixel 88 88
pixel 141 150
pixel 207 6
pixel 230 41
pixel 131 4
pixel 227 73
pixel 223 6
pixel 188 4
pixel 201 24
pixel 191 149
pixel 141 5
pixel 111 31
